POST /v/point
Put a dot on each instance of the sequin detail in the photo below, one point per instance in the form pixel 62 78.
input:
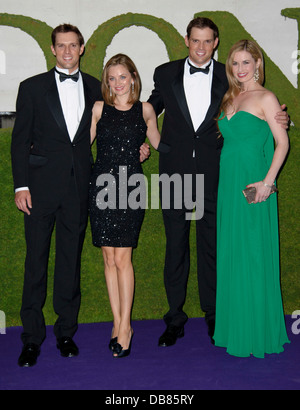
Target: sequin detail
pixel 119 137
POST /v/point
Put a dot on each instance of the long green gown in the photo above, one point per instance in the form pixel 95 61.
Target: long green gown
pixel 249 312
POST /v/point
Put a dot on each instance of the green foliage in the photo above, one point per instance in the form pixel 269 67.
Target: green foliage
pixel 93 60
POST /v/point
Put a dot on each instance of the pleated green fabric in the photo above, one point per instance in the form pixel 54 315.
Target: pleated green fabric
pixel 249 314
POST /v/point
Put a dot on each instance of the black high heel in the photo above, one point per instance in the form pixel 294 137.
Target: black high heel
pixel 112 344
pixel 119 352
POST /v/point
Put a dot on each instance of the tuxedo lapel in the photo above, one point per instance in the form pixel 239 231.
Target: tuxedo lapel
pixel 56 108
pixel 86 116
pixel 180 94
pixel 217 93
pixel 54 103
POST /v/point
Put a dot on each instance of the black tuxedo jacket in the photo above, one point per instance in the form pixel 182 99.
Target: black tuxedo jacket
pixel 178 130
pixel 43 156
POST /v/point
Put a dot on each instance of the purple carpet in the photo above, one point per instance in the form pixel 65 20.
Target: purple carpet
pixel 192 364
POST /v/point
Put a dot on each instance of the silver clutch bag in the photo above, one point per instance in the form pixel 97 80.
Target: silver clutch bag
pixel 250 193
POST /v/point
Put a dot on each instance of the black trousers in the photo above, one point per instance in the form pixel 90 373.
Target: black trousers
pixel 69 215
pixel 177 260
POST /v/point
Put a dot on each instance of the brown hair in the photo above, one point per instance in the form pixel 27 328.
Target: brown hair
pixel 202 22
pixel 129 64
pixel 234 85
pixel 66 28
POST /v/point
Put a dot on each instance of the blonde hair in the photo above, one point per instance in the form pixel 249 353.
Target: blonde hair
pixel 129 64
pixel 234 85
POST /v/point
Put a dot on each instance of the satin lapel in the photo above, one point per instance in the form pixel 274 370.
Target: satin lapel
pixel 217 93
pixel 180 95
pixel 86 116
pixel 54 103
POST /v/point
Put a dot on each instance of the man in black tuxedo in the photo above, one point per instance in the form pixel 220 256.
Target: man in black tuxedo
pixel 191 100
pixel 51 162
pixel 191 91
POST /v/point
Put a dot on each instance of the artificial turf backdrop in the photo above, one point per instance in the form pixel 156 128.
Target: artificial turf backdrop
pixel 150 300
pixel 148 259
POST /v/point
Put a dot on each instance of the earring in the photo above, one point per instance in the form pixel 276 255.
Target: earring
pixel 132 88
pixel 256 76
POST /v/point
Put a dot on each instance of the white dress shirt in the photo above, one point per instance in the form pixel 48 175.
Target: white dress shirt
pixel 197 88
pixel 71 95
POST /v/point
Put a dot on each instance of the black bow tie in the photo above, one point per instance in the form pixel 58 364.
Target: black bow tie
pixel 63 76
pixel 194 69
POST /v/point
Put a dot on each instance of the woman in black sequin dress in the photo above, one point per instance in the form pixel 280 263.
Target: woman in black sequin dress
pixel 117 191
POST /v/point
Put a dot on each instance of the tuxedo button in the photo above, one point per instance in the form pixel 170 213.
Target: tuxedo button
pixel 196 136
pixel 73 145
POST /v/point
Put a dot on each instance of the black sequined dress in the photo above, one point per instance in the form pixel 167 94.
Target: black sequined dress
pixel 117 188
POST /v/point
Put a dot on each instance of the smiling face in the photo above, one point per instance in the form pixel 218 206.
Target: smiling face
pixel 201 44
pixel 119 79
pixel 67 51
pixel 244 66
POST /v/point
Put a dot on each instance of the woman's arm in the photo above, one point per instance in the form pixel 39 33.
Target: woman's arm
pixel 151 122
pixel 96 115
pixel 270 107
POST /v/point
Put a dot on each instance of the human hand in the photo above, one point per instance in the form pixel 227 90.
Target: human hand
pixel 283 118
pixel 144 152
pixel 262 191
pixel 23 201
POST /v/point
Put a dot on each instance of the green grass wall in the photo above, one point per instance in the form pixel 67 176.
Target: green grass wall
pixel 150 300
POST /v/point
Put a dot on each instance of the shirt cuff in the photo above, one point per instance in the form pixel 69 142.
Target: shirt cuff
pixel 23 188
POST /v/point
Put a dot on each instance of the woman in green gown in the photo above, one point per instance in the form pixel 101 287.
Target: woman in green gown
pixel 249 314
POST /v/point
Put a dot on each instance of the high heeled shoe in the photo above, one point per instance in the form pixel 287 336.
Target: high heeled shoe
pixel 119 352
pixel 112 343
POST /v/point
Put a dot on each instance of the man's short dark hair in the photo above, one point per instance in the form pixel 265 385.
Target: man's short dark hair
pixel 66 28
pixel 202 22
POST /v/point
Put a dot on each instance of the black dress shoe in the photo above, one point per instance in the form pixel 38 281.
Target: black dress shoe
pixel 67 347
pixel 29 355
pixel 171 334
